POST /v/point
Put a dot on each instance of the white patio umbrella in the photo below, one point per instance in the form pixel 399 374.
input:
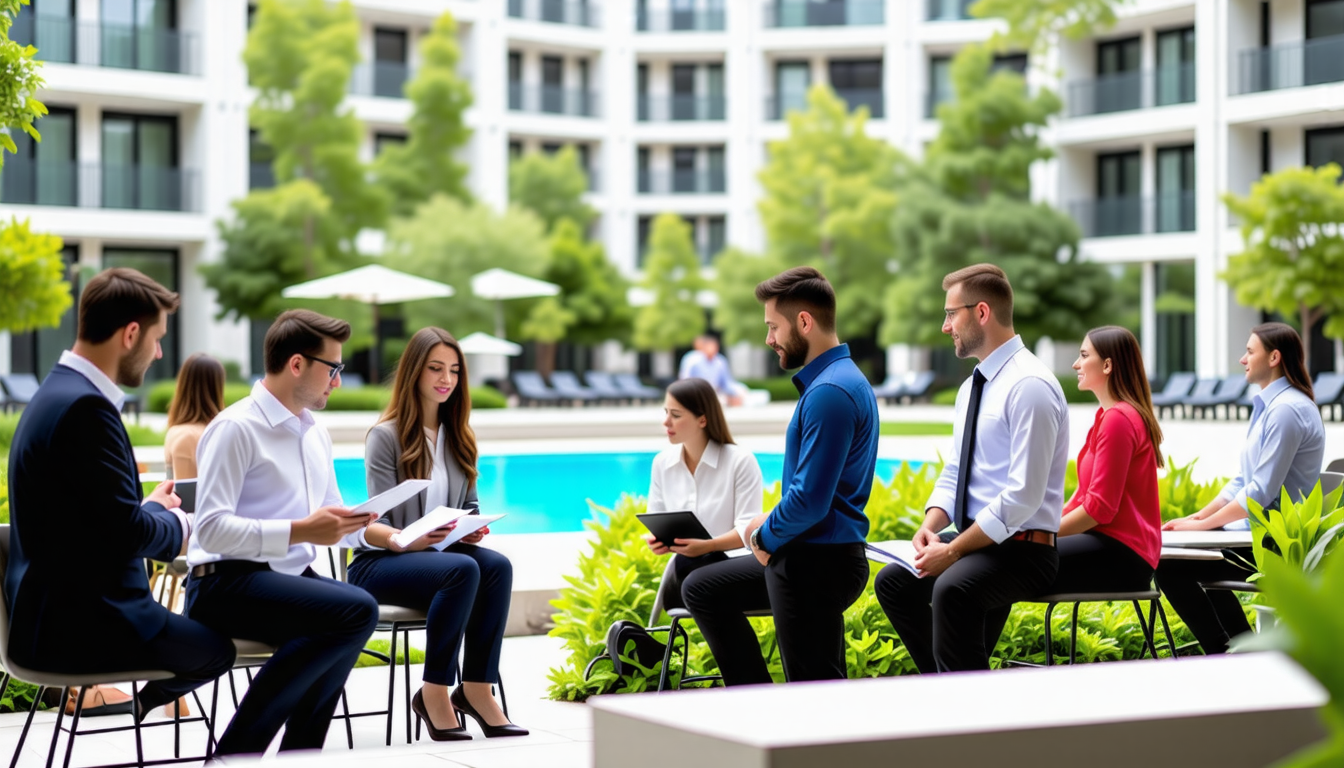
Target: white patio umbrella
pixel 374 285
pixel 484 344
pixel 501 284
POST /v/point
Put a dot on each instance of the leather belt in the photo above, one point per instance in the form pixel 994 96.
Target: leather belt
pixel 207 569
pixel 234 567
pixel 1035 537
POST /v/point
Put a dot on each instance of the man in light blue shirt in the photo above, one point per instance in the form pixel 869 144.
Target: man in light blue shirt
pixel 705 362
pixel 1285 447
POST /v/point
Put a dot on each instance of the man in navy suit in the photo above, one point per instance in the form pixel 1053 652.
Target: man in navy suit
pixel 78 595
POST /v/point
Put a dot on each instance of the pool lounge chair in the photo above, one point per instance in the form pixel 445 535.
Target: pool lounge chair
pixel 636 389
pixel 1177 389
pixel 1227 393
pixel 20 388
pixel 532 389
pixel 604 385
pixel 1329 389
pixel 567 385
pixel 907 387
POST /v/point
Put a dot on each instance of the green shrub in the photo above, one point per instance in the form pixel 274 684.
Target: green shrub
pixel 1181 496
pixel 18 697
pixel 779 387
pixel 916 429
pixel 383 646
pixel 161 395
pixel 618 579
pixel 483 396
pixel 1067 382
pixel 8 423
pixel 4 496
pixel 371 398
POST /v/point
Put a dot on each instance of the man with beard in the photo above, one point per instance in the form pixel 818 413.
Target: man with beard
pixel 809 563
pixel 266 498
pixel 1002 488
pixel 78 595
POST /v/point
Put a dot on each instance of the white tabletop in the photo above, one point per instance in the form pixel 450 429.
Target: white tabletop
pixel 1206 539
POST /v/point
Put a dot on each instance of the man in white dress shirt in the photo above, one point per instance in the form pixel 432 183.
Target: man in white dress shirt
pixel 1003 490
pixel 266 496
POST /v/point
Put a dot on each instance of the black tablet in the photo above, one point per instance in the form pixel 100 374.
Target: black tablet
pixel 670 526
pixel 186 491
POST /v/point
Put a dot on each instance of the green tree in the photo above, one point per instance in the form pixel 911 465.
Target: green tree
pixel 672 275
pixel 591 287
pixel 449 241
pixel 971 203
pixel 547 324
pixel 1294 258
pixel 1039 24
pixel 552 187
pixel 33 290
pixel 738 316
pixel 19 107
pixel 427 163
pixel 829 195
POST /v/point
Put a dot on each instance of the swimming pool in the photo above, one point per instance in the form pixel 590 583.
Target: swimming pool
pixel 548 493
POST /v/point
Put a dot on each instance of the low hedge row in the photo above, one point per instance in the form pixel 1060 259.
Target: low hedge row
pixel 342 398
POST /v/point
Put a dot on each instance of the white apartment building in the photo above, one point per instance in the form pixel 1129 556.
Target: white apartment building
pixel 671 104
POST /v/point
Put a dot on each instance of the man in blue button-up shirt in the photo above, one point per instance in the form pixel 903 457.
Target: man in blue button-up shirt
pixel 809 563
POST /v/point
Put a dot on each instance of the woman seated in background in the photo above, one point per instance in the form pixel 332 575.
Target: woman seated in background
pixel 465 589
pixel 706 473
pixel 1110 538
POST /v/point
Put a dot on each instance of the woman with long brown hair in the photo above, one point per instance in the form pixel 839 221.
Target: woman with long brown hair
pixel 1110 538
pixel 465 589
pixel 198 399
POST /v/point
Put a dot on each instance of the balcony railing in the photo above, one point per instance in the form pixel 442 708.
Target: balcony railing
pixel 948 10
pixel 62 40
pixel 100 186
pixel 829 13
pixel 552 100
pixel 682 182
pixel 260 176
pixel 661 109
pixel 384 79
pixel 779 107
pixel 679 20
pixel 1291 65
pixel 1132 90
pixel 1116 216
pixel 866 97
pixel 579 13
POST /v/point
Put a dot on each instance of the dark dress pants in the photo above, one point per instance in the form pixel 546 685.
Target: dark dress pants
pixel 1094 562
pixel 465 592
pixel 683 566
pixel 807 588
pixel 319 627
pixel 951 622
pixel 1214 617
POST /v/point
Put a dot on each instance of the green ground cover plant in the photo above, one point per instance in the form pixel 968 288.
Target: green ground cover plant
pixel 916 428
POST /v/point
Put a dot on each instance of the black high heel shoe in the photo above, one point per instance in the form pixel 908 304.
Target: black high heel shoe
pixel 437 734
pixel 460 703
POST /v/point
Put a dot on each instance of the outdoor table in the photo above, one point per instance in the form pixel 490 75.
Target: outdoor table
pixel 1206 539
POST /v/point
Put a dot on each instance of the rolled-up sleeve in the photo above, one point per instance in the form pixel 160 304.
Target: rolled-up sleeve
pixel 827 422
pixel 1282 436
pixel 1113 448
pixel 225 454
pixel 1034 418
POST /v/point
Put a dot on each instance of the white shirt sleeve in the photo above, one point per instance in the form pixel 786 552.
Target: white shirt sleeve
pixel 657 501
pixel 1033 420
pixel 748 492
pixel 225 454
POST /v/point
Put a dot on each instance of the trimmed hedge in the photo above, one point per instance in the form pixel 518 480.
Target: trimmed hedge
pixel 1069 383
pixel 779 387
pixel 342 398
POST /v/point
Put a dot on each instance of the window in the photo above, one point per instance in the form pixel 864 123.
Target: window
pixel 718 181
pixel 45 172
pixel 135 34
pixel 1118 205
pixel 859 83
pixel 1175 66
pixel 552 84
pixel 36 352
pixel 1324 146
pixel 683 91
pixel 1323 54
pixel 792 79
pixel 140 163
pixel 1011 62
pixel 642 229
pixel 643 180
pixel 1119 83
pixel 382 141
pixel 515 80
pixel 48 25
pixel 717 230
pixel 389 62
pixel 683 169
pixel 162 267
pixel 940 84
pixel 260 162
pixel 1176 189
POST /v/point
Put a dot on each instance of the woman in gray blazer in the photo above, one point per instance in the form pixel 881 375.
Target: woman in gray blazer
pixel 464 588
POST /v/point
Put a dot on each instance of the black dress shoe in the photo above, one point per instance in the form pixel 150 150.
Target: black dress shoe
pixel 460 703
pixel 437 734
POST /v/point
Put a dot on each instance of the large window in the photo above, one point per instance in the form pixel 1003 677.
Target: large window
pixel 1119 83
pixel 1176 189
pixel 858 82
pixel 140 163
pixel 162 267
pixel 940 84
pixel 48 25
pixel 1324 146
pixel 1175 306
pixel 389 62
pixel 45 172
pixel 1323 55
pixel 1118 205
pixel 792 79
pixel 260 162
pixel 1175 82
pixel 140 34
pixel 37 351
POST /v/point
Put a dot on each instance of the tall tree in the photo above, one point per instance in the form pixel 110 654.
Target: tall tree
pixel 33 290
pixel 738 316
pixel 449 241
pixel 1294 258
pixel 591 287
pixel 971 203
pixel 672 275
pixel 829 195
pixel 427 163
pixel 19 107
pixel 552 187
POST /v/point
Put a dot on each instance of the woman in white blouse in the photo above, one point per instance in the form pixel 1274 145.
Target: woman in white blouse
pixel 706 473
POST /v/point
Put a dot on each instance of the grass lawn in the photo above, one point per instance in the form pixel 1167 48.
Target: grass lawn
pixel 916 428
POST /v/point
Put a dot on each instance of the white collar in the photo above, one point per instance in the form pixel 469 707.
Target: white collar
pixel 95 376
pixel 275 411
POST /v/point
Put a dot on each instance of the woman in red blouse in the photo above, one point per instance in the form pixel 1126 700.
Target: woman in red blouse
pixel 1110 537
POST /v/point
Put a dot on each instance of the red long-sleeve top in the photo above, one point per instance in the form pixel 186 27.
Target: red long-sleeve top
pixel 1117 481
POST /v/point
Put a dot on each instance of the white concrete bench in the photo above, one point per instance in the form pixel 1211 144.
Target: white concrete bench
pixel 1227 711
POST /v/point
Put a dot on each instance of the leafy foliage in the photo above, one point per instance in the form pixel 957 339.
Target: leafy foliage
pixel 1294 258
pixel 4 496
pixel 738 315
pixel 33 290
pixel 672 275
pixel 371 398
pixel 592 289
pixel 1037 25
pixel 1304 531
pixel 19 107
pixel 18 695
pixel 384 647
pixel 1180 495
pixel 552 187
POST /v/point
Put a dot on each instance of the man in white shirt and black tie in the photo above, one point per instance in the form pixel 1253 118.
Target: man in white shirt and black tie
pixel 1003 490
pixel 266 497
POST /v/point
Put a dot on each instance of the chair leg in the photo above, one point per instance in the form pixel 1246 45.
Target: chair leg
pixel 1146 629
pixel 406 670
pixel 1049 636
pixel 1166 628
pixel 1073 635
pixel 74 724
pixel 233 691
pixel 391 682
pixel 56 732
pixel 27 724
pixel 345 715
pixel 667 653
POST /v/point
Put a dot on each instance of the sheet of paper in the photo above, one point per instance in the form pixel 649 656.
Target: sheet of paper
pixel 466 526
pixel 393 497
pixel 901 553
pixel 437 518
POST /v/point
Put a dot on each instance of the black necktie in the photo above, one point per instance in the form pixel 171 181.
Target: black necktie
pixel 967 451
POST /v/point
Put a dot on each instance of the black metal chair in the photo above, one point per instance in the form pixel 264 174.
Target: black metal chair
pixel 1177 389
pixel 1147 627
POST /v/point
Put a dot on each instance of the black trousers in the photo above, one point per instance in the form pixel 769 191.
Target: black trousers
pixel 465 592
pixel 951 622
pixel 319 626
pixel 807 588
pixel 683 566
pixel 1214 617
pixel 1094 562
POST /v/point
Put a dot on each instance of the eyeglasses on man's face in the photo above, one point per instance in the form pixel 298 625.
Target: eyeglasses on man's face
pixel 949 312
pixel 336 368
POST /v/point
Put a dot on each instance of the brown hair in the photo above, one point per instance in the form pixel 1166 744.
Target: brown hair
pixel 987 283
pixel 1128 381
pixel 300 332
pixel 200 391
pixel 801 289
pixel 454 414
pixel 698 397
pixel 117 297
pixel 1293 358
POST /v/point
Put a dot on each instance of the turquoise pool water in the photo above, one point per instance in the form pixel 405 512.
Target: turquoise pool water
pixel 548 493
